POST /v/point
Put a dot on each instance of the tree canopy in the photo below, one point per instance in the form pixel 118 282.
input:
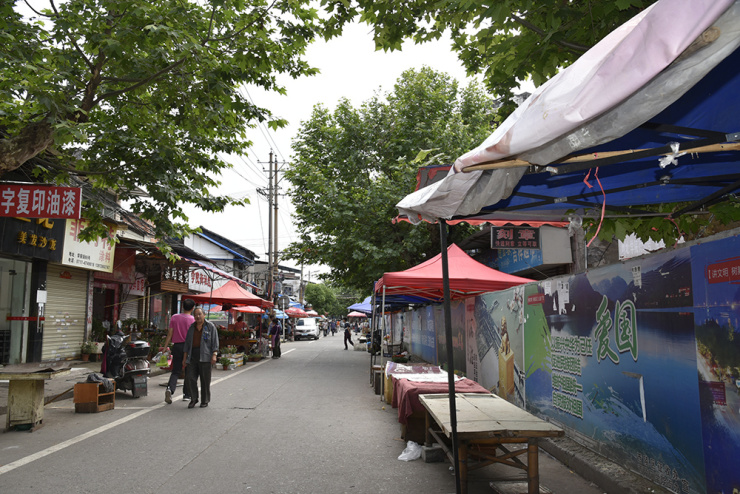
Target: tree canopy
pixel 351 166
pixel 142 94
pixel 506 41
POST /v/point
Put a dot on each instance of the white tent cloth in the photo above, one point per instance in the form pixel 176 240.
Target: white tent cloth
pixel 623 81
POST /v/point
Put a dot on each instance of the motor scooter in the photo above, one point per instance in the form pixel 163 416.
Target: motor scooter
pixel 126 362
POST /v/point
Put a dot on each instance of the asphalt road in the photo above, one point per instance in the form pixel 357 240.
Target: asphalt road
pixel 306 423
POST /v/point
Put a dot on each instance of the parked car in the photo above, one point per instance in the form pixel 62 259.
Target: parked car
pixel 307 327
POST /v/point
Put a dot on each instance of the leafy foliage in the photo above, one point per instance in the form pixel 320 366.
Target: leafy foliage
pixel 662 226
pixel 506 41
pixel 352 166
pixel 326 299
pixel 143 94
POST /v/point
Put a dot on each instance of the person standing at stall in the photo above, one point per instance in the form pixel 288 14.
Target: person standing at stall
pixel 274 333
pixel 179 324
pixel 201 350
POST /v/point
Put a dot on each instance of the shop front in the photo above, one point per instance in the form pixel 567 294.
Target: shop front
pixel 26 245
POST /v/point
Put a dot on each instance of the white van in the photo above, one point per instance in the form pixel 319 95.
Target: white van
pixel 307 327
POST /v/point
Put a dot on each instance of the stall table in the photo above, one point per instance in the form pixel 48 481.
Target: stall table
pixel 485 424
pixel 26 394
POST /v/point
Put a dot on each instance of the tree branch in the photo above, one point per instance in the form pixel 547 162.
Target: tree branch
pixel 142 82
pixel 74 43
pixel 572 47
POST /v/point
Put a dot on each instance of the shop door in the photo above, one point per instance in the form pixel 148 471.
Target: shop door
pixel 66 312
pixel 15 283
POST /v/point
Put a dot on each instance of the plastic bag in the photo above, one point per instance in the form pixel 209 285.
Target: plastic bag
pixel 162 360
pixel 412 452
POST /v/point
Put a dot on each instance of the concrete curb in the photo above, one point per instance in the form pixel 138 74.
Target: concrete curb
pixel 593 467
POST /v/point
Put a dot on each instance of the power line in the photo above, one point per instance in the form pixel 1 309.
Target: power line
pixel 261 126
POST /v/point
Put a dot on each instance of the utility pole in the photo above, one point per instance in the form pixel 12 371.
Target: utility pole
pixel 269 290
pixel 275 205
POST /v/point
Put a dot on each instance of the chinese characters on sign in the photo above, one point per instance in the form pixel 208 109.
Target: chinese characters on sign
pixel 726 271
pixel 97 255
pixel 625 326
pixel 515 237
pixel 40 201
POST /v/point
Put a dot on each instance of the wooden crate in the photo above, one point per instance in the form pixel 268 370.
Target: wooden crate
pixel 90 398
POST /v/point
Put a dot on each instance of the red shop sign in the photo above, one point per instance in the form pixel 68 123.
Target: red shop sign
pixel 40 201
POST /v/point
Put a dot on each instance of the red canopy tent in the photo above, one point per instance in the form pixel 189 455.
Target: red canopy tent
pixel 467 278
pixel 230 293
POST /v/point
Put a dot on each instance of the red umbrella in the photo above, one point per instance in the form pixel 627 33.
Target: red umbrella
pixel 356 314
pixel 249 309
pixel 295 312
pixel 312 313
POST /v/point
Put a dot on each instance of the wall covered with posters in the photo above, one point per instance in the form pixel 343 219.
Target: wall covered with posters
pixel 639 360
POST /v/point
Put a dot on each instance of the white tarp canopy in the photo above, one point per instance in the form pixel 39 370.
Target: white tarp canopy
pixel 622 82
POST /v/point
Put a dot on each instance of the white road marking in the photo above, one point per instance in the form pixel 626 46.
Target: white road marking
pixel 65 444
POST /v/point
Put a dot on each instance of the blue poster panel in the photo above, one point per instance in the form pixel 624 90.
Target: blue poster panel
pixel 611 354
pixel 716 277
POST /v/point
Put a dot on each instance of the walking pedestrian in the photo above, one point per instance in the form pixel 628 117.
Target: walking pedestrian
pixel 333 326
pixel 275 331
pixel 179 325
pixel 347 336
pixel 201 350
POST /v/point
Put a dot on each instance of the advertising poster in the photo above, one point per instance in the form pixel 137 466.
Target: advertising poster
pixel 457 309
pixel 472 365
pixel 428 340
pixel 500 348
pixel 611 354
pixel 414 331
pixel 716 277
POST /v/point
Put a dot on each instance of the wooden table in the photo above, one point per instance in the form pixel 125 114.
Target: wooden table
pixel 26 394
pixel 485 424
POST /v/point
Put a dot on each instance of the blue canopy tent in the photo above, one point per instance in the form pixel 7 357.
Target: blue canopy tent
pixel 663 84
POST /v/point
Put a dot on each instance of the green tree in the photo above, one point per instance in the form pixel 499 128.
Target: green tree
pixel 326 299
pixel 142 94
pixel 506 41
pixel 352 166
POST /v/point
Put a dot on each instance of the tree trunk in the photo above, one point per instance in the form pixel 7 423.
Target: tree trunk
pixel 31 141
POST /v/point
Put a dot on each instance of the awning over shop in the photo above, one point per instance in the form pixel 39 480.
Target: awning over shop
pixel 664 83
pixel 230 293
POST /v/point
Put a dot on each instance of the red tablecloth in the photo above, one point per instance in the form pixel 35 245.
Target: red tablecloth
pixel 406 394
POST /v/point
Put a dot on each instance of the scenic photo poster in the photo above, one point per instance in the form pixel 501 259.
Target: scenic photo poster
pixel 499 341
pixel 618 345
pixel 716 282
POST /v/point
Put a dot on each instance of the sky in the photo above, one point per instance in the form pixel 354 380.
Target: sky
pixel 350 68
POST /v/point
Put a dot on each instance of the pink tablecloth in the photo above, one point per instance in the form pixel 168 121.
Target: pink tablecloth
pixel 406 394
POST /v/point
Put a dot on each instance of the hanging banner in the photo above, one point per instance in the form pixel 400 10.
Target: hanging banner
pixel 40 201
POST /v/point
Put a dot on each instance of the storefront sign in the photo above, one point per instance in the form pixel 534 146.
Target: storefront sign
pixel 199 281
pixel 24 318
pixel 138 287
pixel 37 238
pixel 515 237
pixel 40 201
pixel 97 255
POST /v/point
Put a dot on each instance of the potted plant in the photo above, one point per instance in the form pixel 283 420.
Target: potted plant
pixel 86 349
pixel 254 357
pixel 225 361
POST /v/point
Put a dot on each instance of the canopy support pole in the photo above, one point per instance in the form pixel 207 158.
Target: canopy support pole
pixel 450 353
pixel 382 333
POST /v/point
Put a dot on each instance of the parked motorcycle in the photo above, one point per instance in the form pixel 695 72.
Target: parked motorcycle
pixel 126 362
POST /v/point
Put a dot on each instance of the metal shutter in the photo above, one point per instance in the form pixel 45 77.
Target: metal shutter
pixel 65 312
